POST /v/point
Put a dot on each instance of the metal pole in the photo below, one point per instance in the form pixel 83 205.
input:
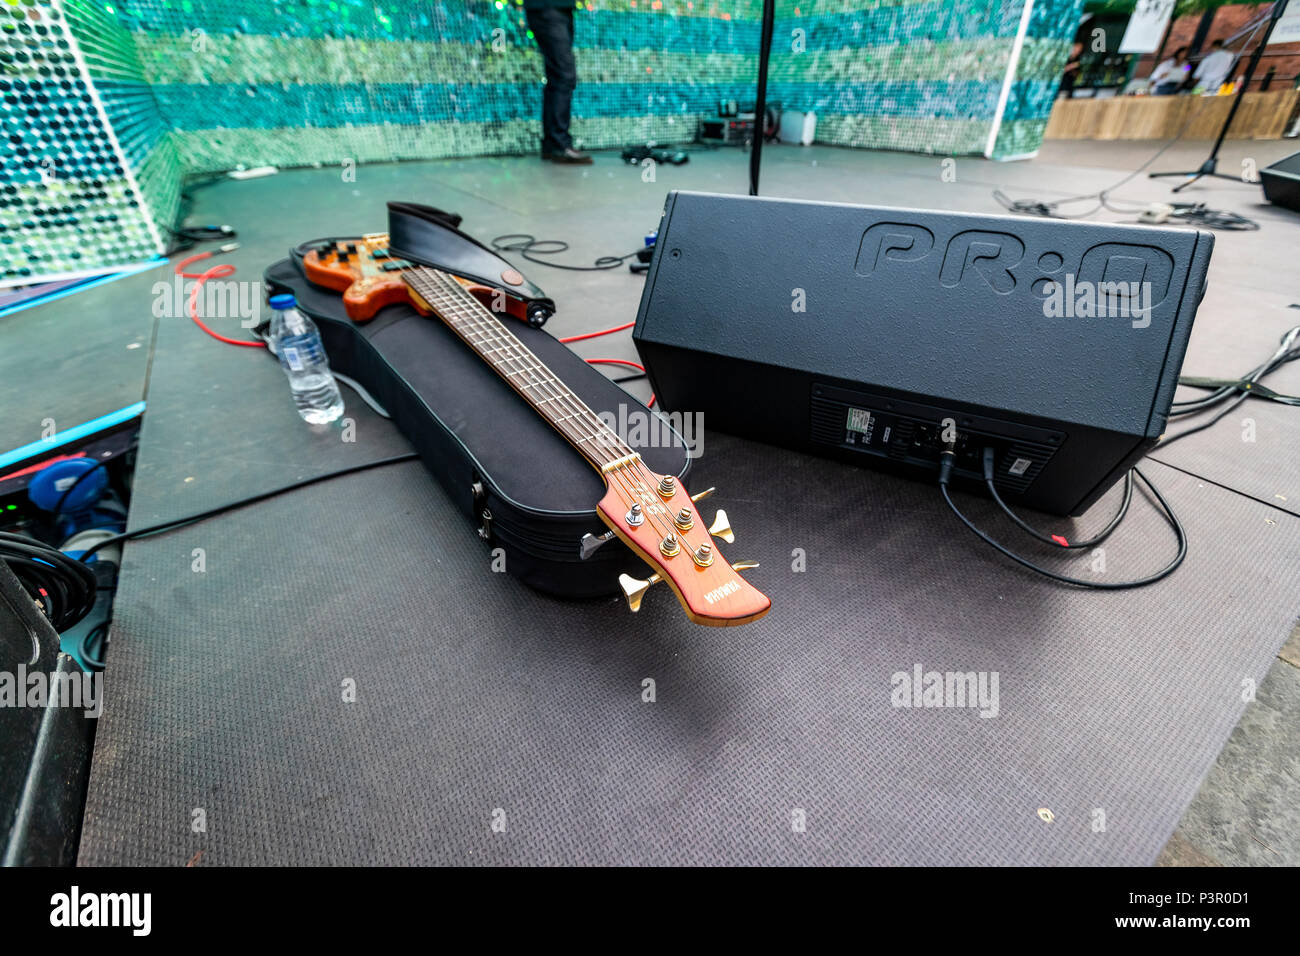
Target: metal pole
pixel 760 101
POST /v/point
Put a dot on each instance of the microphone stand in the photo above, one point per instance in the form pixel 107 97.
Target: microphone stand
pixel 1210 166
pixel 760 101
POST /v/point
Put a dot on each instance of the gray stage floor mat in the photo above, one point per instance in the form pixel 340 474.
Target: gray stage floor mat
pixel 75 359
pixel 1255 449
pixel 475 695
pixel 479 701
pixel 222 426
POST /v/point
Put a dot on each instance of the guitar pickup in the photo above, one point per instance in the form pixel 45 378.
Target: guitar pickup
pixel 394 264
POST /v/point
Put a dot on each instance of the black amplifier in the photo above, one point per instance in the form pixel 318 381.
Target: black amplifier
pixel 1282 182
pixel 727 130
pixel 859 332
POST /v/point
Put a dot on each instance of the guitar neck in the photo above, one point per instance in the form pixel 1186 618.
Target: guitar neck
pixel 528 375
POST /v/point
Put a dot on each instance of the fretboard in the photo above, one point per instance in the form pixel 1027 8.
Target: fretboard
pixel 528 375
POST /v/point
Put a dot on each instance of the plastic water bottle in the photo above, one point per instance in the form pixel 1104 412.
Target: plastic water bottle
pixel 296 341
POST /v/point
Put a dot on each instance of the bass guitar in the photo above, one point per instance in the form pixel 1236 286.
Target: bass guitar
pixel 651 513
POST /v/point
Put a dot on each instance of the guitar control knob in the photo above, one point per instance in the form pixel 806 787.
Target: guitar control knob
pixel 667 486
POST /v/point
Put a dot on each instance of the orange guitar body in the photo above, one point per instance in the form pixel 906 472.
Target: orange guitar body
pixel 370 279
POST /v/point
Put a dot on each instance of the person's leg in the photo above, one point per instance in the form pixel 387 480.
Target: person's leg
pixel 565 81
pixel 553 30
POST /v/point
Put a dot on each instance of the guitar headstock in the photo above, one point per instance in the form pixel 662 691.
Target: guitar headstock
pixel 656 517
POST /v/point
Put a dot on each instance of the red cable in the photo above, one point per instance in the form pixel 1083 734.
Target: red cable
pixel 616 362
pixel 634 365
pixel 216 272
pixel 225 269
pixel 592 335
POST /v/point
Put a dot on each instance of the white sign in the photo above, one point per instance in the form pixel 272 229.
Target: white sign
pixel 1147 26
pixel 1287 30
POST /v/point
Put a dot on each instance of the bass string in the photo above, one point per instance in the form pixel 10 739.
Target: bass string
pixel 488 323
pixel 529 376
pixel 534 375
pixel 493 332
pixel 446 299
pixel 520 353
pixel 485 318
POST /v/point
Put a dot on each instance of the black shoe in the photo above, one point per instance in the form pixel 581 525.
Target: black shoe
pixel 571 157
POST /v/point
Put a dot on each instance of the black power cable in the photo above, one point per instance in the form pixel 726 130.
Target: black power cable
pixel 1197 214
pixel 945 473
pixel 63 587
pixel 187 237
pixel 231 506
pixel 1057 539
pixel 1236 392
pixel 91 646
pixel 1288 350
pixel 1233 393
pixel 1048 207
pixel 58 507
pixel 530 247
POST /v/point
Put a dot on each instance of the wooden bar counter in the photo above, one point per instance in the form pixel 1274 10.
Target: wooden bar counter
pixel 1263 115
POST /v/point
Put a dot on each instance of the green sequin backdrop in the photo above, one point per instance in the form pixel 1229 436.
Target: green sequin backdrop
pixel 204 85
pixel 91 177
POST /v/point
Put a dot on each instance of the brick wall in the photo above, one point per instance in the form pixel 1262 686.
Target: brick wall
pixel 1283 58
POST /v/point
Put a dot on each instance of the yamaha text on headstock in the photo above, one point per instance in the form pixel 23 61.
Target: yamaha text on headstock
pixel 651 513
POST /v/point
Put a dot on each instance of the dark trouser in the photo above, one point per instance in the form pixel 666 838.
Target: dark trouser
pixel 553 30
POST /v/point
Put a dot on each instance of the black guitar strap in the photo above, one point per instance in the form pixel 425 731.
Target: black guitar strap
pixel 432 237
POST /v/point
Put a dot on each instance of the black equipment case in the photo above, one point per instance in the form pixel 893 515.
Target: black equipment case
pixel 523 487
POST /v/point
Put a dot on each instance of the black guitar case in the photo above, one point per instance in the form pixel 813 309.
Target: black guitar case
pixel 523 487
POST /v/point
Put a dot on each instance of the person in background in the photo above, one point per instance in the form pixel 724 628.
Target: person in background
pixel 1170 75
pixel 1070 75
pixel 552 24
pixel 1214 68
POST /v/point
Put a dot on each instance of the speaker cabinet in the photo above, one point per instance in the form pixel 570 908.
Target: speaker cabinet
pixel 1282 182
pixel 858 332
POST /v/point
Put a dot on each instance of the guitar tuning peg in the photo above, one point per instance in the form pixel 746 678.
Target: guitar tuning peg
pixel 635 588
pixel 591 543
pixel 721 527
pixel 745 565
pixel 703 494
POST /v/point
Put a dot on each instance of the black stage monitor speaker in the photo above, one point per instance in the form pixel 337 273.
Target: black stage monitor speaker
pixel 855 332
pixel 1282 182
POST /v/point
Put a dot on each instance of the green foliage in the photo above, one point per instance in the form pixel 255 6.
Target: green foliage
pixel 1182 8
pixel 1185 8
pixel 1109 6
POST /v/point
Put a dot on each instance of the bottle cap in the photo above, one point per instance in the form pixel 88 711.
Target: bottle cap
pixel 283 301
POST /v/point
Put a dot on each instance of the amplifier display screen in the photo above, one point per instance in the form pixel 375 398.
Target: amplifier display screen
pixel 860 421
